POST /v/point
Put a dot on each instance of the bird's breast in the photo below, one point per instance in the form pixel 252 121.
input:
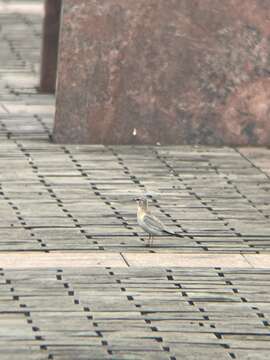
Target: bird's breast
pixel 140 220
pixel 140 216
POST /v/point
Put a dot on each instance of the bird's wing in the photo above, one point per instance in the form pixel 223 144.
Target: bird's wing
pixel 153 223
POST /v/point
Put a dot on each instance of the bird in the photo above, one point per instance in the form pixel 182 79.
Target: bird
pixel 150 223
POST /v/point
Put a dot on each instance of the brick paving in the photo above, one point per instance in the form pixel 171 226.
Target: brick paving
pixel 135 313
pixel 76 201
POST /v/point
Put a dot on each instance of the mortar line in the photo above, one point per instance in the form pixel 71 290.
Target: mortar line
pixel 250 263
pixel 125 260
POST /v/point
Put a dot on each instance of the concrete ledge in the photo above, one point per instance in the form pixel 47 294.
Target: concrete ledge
pixel 60 259
pixel 188 260
pixel 260 261
pixel 93 259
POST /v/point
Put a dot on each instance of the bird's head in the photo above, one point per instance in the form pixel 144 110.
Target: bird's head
pixel 142 203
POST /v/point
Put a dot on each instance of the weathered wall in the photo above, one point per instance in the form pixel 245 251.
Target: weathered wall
pixel 177 71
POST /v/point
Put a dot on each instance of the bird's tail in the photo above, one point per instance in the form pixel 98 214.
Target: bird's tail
pixel 172 233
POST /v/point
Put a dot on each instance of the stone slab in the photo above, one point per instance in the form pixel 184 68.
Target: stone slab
pixel 187 260
pixel 29 259
pixel 43 260
pixel 258 260
pixel 164 71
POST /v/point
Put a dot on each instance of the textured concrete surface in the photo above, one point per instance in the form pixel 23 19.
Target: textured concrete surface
pixel 164 71
pixel 72 259
pixel 191 260
pixel 131 313
pixel 68 259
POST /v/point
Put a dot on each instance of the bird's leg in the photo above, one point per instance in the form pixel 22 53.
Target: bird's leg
pixel 149 241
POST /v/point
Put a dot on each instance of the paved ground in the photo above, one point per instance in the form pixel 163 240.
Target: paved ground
pixel 135 313
pixel 71 206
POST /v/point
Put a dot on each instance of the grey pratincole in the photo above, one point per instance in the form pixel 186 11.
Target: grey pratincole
pixel 150 223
